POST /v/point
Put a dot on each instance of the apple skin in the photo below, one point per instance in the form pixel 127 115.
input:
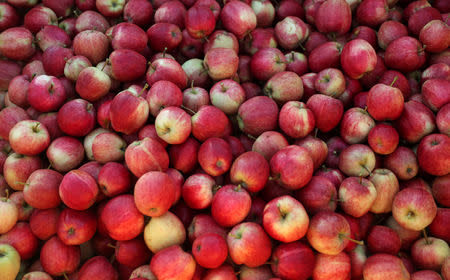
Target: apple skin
pixel 259 39
pixel 425 275
pixel 214 156
pixel 284 86
pixel 58 259
pixel 98 267
pixel 434 93
pixel 443 120
pixel 382 239
pixel 285 219
pixel 113 179
pixel 9 262
pixel 29 137
pixel 405 54
pixel 128 112
pixel 414 208
pixel 372 13
pixel 142 272
pixel 230 205
pixel 46 93
pixel 183 157
pixel 227 95
pixel 319 194
pixel 430 253
pixel 76 117
pixel 139 12
pixel 163 94
pixel 127 65
pixel 356 125
pixel 76 227
pixel 222 63
pixel 238 18
pixel 42 189
pixel 328 232
pixel 182 264
pixel 139 164
pixel 253 120
pixel 433 154
pixel 90 19
pixel 357 160
pixel 9 117
pixel 199 21
pixel 154 193
pixel 92 83
pixel 440 191
pixel 403 163
pixel 10 17
pixel 92 44
pixel 437 227
pixel 44 223
pixel 387 186
pixel 132 253
pixel 291 32
pixel 357 58
pixel 293 260
pixel 122 227
pixel 13 70
pixel 268 143
pixel 164 35
pixel 197 191
pixel 108 147
pixel 171 12
pixel 17 168
pixel 248 244
pixel 336 267
pixel 81 183
pixel 129 36
pixel 267 62
pixel 434 35
pixel 445 270
pixel 385 102
pixel 379 266
pixel 333 17
pixel 357 196
pixel 398 80
pixel 292 167
pixel 18 90
pixel 198 77
pixel 210 250
pixel 324 56
pixel 383 139
pixel 250 170
pixel 319 104
pixel 16 43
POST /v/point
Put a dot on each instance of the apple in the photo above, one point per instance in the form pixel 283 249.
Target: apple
pixel 248 244
pixel 164 231
pixel 358 57
pixel 173 125
pixel 405 54
pixel 264 11
pixel 97 267
pixel 248 273
pixel 357 160
pixel 163 94
pixel 198 78
pixel 122 227
pixel 319 194
pixel 137 161
pixel 76 227
pixel 283 87
pixel 13 70
pixel 29 137
pixel 204 224
pixel 10 220
pixel 442 120
pixel 292 167
pixel 295 260
pixel 238 18
pixel 92 44
pixel 296 62
pixel 197 191
pixel 434 35
pixel 425 274
pixel 17 43
pixel 321 103
pixel 379 266
pixel 37 275
pixel 434 93
pixel 142 272
pixel 291 32
pixel 46 93
pixel 403 163
pixel 258 39
pixel 166 69
pixel 9 262
pixel 181 264
pixel 44 223
pixel 285 219
pixel 41 190
pixel 92 83
pixel 183 157
pixel 139 12
pixel 434 148
pixel 332 267
pixel 114 179
pixel 356 125
pixel 414 208
pixel 383 139
pixel 255 122
pixel 199 21
pixel 440 192
pixel 267 62
pixel 398 80
pixel 128 112
pixel 429 253
pixel 387 186
pixel 17 168
pixel 18 90
pixel 372 13
pixel 10 17
pixel 171 12
pixel 227 95
pixel 384 102
pixel 357 195
pixel 250 170
pixel 221 63
pixel 210 250
pixel 215 156
pixel 382 239
pixel 268 143
pixel 132 253
pixel 230 205
pixel 78 190
pixel 333 16
pixel 164 36
pixel 325 55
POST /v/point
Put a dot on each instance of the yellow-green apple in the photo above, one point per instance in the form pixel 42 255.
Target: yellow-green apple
pixel 380 266
pixel 293 260
pixel 433 154
pixel 292 167
pixel 78 190
pixel 387 187
pixel 319 194
pixel 336 267
pixel 250 170
pixel 248 244
pixel 29 137
pixel 9 262
pixel 65 153
pixel 230 205
pixel 164 231
pixel 403 163
pixel 122 227
pixel 414 208
pixel 357 160
pixel 285 219
pixel 210 250
pixel 59 259
pixel 139 163
pixel 430 253
pixel 181 264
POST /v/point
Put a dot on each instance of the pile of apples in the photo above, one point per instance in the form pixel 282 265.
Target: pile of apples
pixel 201 139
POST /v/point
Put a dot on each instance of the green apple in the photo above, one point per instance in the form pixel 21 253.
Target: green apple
pixel 9 262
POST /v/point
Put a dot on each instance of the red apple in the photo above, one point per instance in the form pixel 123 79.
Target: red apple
pixel 250 170
pixel 268 143
pixel 382 239
pixel 139 12
pixel 128 112
pixel 383 139
pixel 429 253
pixel 59 259
pixel 357 160
pixel 230 205
pixel 92 83
pixel 415 122
pixel 132 253
pixel 173 125
pixel 438 226
pixel 259 39
pixel 425 275
pixel 291 32
pixel 385 102
pixel 414 208
pixel 284 86
pixel 319 194
pixel 405 54
pixel 227 95
pixel 293 260
pixel 200 21
pixel 164 36
pixel 65 153
pixel 46 93
pixel 92 44
pixel 78 190
pixel 221 63
pixel 358 57
pixel 166 69
pixel 333 16
pixel 29 137
pixel 440 191
pixel 114 179
pixel 356 125
pixel 76 227
pixel 324 56
pixel 435 35
pixel 210 250
pixel 139 163
pixel 198 77
pixel 319 104
pixel 254 120
pixel 171 12
pixel 372 13
pixel 336 267
pixel 97 267
pixel 18 90
pixel 434 148
pixel 10 17
pixel 16 43
pixel 42 189
pixel 248 244
pixel 18 168
pixel 163 94
pixel 44 223
pixel 285 219
pixel 238 18
pixel 181 264
pixel 9 220
pixel 434 93
pixel 379 266
pixel 267 62
pixel 215 156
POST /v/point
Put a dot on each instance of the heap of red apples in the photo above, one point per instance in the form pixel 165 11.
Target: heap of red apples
pixel 224 140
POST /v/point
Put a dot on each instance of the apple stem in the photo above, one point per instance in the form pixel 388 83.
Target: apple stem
pixel 251 137
pixel 359 242
pixel 7 193
pixel 49 166
pixel 370 172
pixel 190 111
pixel 104 65
pixel 273 178
pixel 215 188
pixel 393 82
pixel 113 258
pixel 111 246
pixel 192 84
pixel 164 52
pixel 425 235
pixel 360 180
pixel 65 276
pixel 301 47
pixel 144 88
pixel 21 183
pixel 316 130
